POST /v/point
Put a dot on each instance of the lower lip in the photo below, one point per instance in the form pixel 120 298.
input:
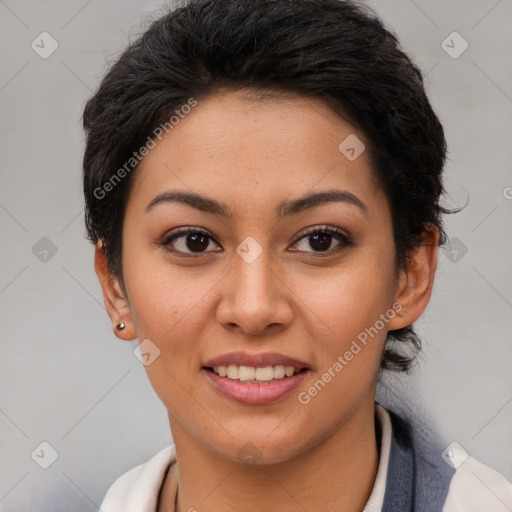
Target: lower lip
pixel 251 393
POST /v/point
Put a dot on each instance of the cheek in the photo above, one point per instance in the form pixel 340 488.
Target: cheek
pixel 348 345
pixel 349 299
pixel 168 308
pixel 160 294
pixel 348 305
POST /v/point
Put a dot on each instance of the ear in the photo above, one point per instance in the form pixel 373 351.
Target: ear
pixel 117 305
pixel 415 283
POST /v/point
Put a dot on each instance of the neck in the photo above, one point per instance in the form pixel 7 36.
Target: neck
pixel 337 473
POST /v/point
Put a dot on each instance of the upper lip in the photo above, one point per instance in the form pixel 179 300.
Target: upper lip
pixel 255 360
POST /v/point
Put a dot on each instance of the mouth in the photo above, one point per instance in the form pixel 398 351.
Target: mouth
pixel 255 378
pixel 255 385
pixel 255 375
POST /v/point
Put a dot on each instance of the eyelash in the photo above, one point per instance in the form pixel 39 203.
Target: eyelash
pixel 339 234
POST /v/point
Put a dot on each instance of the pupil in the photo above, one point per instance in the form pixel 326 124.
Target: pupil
pixel 199 241
pixel 321 241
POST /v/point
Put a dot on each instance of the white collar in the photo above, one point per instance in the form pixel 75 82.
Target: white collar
pixel 376 500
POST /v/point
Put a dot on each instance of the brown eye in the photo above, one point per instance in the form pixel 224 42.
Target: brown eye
pixel 188 242
pixel 197 242
pixel 320 240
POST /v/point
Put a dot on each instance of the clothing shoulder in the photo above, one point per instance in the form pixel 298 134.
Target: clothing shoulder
pixel 447 480
pixel 476 487
pixel 137 490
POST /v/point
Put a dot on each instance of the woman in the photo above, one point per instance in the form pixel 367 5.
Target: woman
pixel 262 182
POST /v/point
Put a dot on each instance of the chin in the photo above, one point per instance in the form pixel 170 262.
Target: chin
pixel 258 450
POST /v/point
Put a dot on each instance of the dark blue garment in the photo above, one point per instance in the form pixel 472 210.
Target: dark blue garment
pixel 418 478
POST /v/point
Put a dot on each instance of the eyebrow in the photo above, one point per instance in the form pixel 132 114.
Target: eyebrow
pixel 283 209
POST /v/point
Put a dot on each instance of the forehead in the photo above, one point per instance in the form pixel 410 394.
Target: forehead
pixel 255 151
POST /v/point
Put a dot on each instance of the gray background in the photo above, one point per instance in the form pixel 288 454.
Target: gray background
pixel 67 380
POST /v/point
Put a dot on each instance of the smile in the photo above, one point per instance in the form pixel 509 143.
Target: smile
pixel 255 385
pixel 255 374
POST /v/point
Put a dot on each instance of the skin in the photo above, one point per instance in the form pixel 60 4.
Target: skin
pixel 294 299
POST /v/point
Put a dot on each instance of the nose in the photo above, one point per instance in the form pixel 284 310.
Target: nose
pixel 256 299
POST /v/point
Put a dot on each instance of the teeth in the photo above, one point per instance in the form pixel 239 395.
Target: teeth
pixel 232 372
pixel 251 373
pixel 289 371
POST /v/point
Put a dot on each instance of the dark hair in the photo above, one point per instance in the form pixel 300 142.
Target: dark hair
pixel 335 50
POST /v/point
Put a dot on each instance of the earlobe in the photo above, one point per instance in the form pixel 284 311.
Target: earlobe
pixel 415 283
pixel 115 301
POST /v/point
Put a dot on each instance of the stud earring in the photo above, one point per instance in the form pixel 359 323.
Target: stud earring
pixel 120 326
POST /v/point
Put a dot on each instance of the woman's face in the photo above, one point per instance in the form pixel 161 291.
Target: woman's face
pixel 256 282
